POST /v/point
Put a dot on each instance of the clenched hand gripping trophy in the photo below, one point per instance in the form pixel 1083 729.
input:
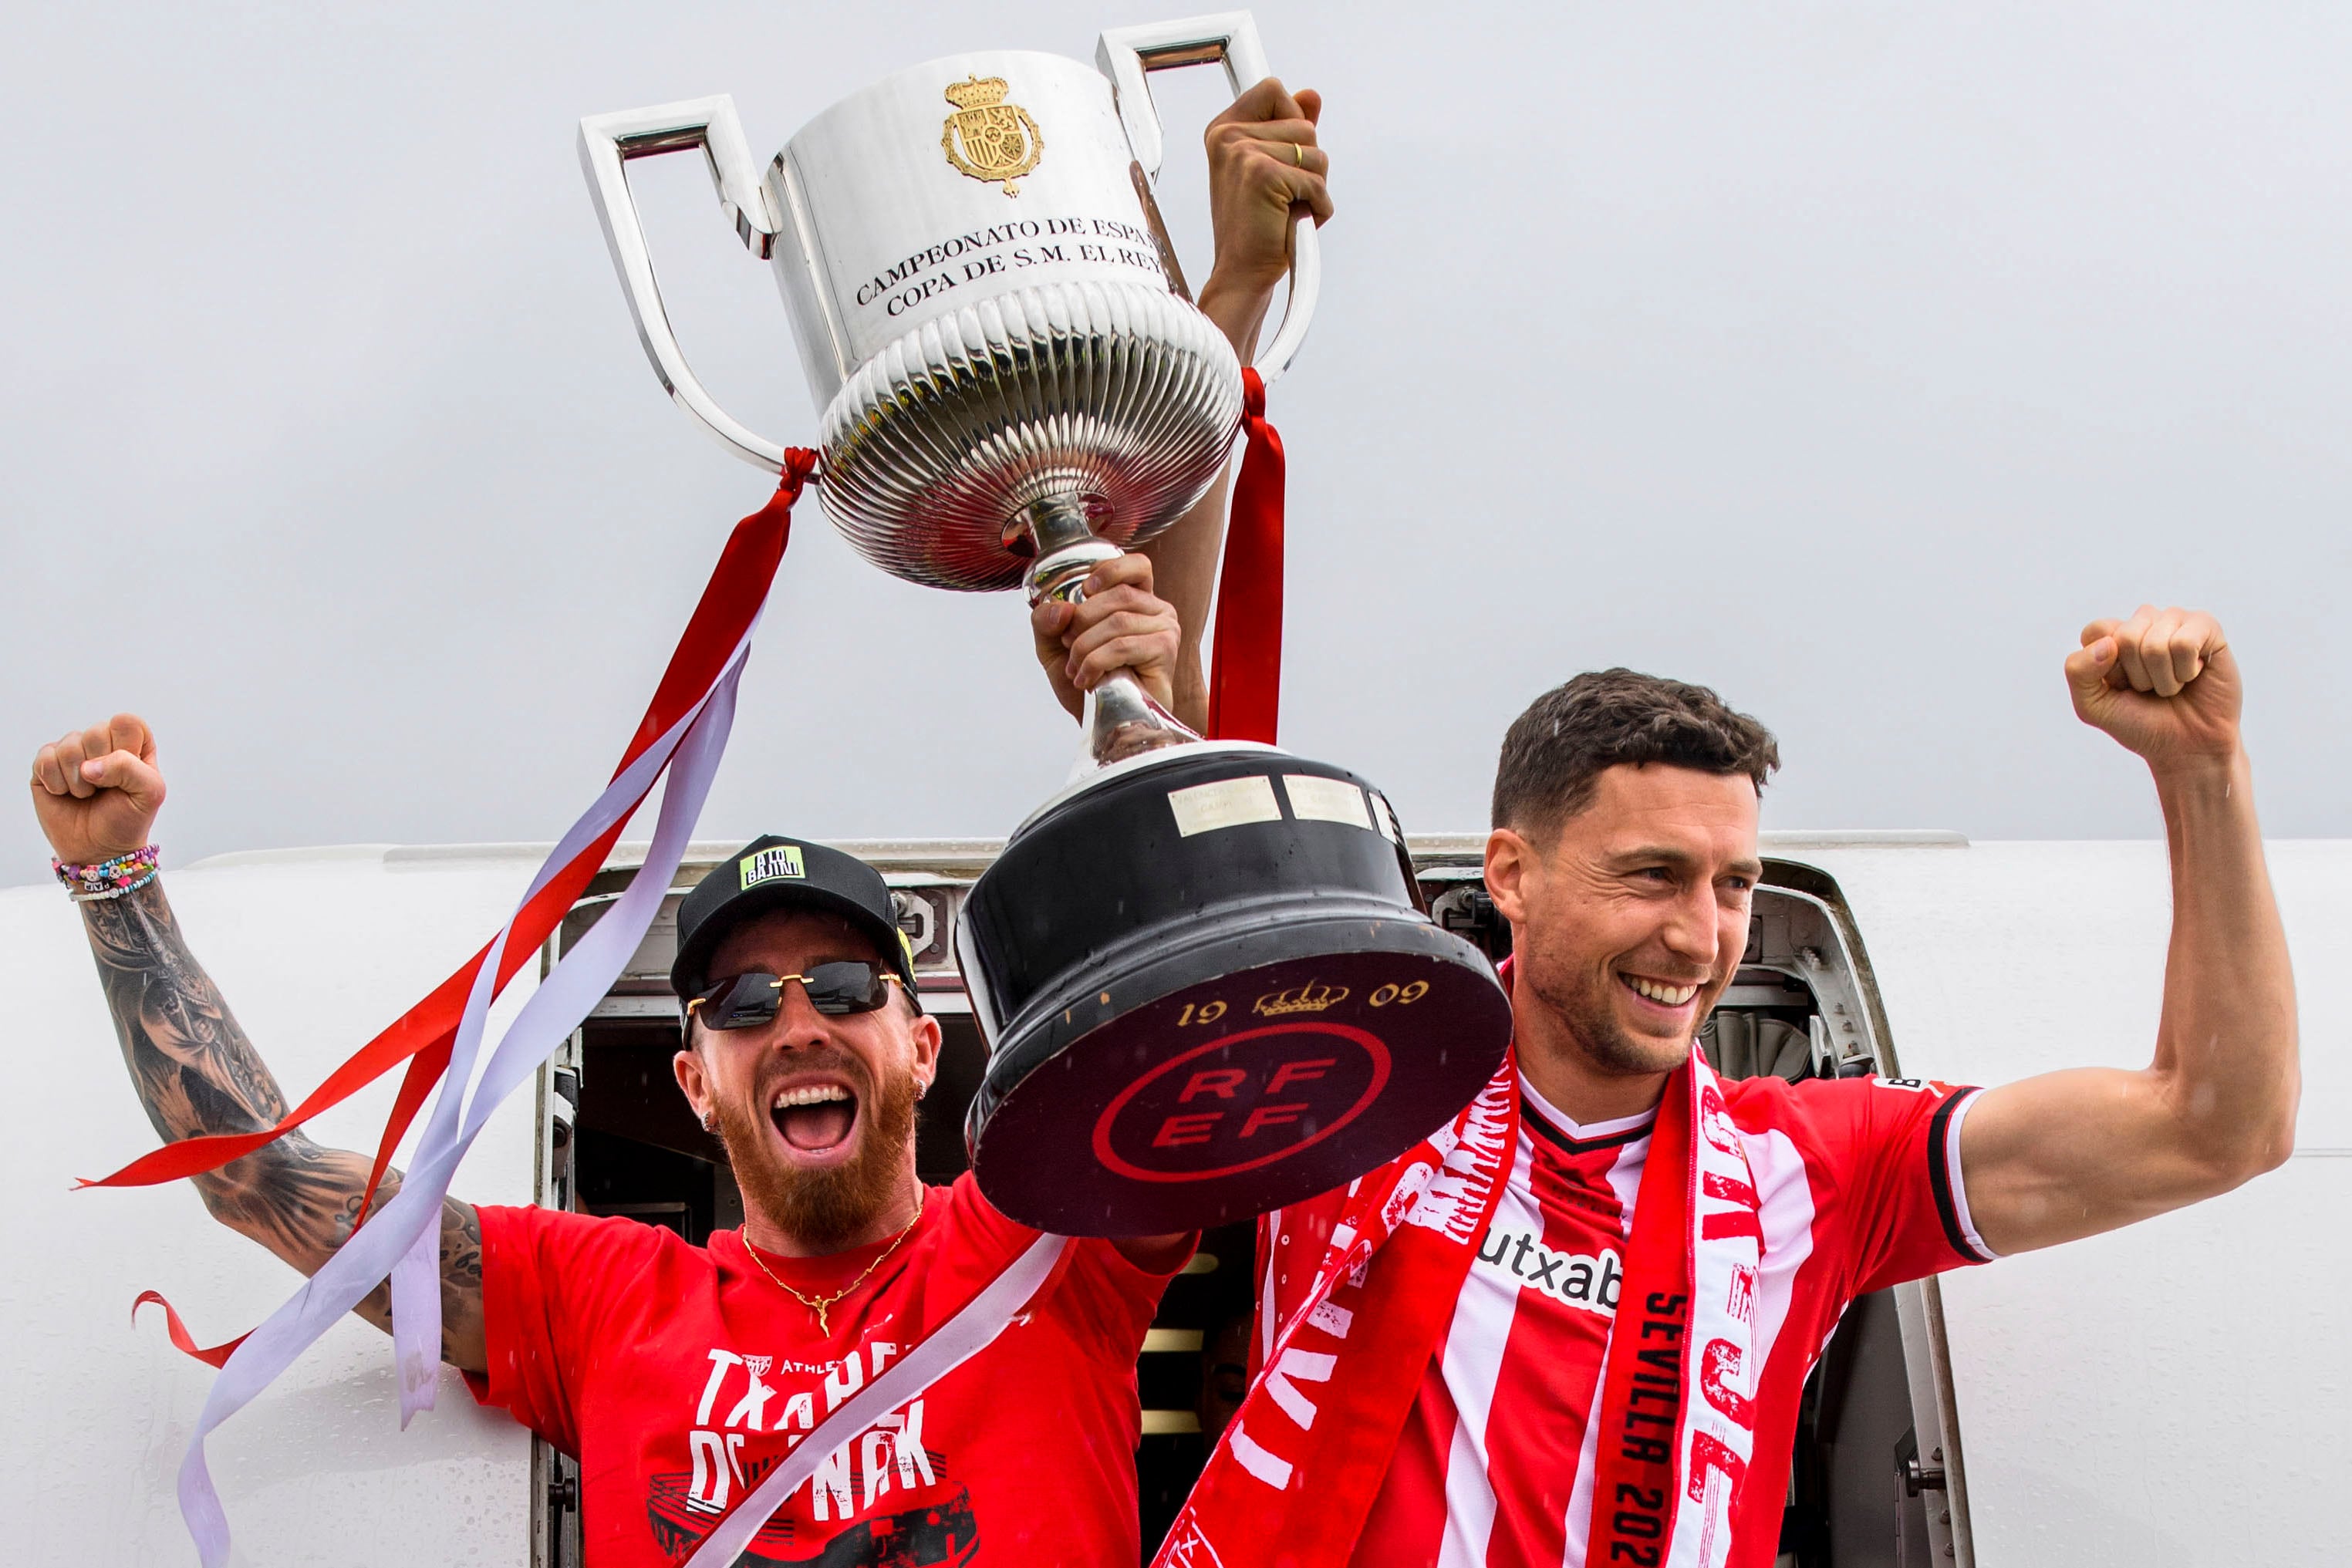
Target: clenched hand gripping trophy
pixel 1203 971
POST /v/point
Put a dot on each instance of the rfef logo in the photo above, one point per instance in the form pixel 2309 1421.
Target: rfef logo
pixel 1241 1101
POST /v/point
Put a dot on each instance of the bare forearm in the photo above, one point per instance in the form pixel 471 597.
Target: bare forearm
pixel 2227 1045
pixel 1184 573
pixel 197 1073
pixel 1239 312
pixel 1184 557
pixel 193 1068
pixel 2074 1153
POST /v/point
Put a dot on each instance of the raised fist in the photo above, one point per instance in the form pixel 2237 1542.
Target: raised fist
pixel 2163 683
pixel 96 791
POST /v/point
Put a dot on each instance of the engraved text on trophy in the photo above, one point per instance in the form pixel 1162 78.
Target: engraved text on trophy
pixel 987 138
pixel 1001 250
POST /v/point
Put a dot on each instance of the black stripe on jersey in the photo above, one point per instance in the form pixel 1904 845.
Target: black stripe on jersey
pixel 1939 1177
pixel 1559 1139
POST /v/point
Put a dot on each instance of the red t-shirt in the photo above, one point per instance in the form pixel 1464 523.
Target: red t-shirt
pixel 678 1375
pixel 1860 1188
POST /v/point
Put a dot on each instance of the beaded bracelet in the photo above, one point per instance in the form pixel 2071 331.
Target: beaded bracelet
pixel 108 879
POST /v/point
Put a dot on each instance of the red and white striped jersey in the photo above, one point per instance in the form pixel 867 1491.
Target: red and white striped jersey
pixel 1860 1189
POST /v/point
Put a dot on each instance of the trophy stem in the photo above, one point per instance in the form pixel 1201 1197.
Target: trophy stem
pixel 1120 718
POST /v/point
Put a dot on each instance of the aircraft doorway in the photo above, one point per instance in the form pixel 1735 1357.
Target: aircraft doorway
pixel 1875 1482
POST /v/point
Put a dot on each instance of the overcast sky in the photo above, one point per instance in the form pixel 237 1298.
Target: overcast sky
pixel 1844 357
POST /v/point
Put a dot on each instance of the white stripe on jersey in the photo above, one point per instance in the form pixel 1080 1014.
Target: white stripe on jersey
pixel 1268 1321
pixel 1784 1208
pixel 1960 1188
pixel 1471 1364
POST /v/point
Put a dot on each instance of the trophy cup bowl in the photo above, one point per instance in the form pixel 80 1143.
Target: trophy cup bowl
pixel 1016 387
pixel 947 451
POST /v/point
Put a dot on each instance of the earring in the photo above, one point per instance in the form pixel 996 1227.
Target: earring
pixel 710 1122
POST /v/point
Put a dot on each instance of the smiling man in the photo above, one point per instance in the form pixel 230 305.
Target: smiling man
pixel 1575 1327
pixel 679 1375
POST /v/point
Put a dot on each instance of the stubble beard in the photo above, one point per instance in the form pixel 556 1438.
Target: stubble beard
pixel 1586 1005
pixel 832 1207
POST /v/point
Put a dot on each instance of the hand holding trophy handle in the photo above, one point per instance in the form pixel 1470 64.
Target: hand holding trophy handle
pixel 607 142
pixel 1125 54
pixel 1119 719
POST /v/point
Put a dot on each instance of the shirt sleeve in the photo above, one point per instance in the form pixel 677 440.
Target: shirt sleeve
pixel 1109 1302
pixel 1893 1150
pixel 548 1280
pixel 1105 1302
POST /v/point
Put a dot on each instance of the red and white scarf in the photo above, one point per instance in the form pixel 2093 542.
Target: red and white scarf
pixel 1323 1415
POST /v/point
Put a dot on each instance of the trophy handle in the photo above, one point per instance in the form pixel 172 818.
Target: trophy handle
pixel 607 142
pixel 1125 54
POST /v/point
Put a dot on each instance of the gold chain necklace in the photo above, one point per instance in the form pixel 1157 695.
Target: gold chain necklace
pixel 822 1305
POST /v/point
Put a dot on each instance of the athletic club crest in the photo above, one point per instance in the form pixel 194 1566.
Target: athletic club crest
pixel 988 137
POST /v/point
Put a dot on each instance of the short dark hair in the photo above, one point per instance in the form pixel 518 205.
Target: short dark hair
pixel 1555 751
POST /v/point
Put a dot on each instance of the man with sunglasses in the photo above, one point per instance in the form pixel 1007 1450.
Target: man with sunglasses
pixel 678 1374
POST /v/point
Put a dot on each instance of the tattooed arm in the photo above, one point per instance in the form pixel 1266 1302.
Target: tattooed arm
pixel 96 792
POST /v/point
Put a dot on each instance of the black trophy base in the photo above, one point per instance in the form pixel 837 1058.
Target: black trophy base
pixel 1205 1026
pixel 1224 1080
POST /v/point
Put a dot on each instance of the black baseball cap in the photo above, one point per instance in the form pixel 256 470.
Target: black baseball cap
pixel 776 872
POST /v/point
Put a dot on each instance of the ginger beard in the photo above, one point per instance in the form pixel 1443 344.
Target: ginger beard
pixel 824 1206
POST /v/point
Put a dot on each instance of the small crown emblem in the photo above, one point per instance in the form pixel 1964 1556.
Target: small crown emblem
pixel 987 138
pixel 1309 998
pixel 978 93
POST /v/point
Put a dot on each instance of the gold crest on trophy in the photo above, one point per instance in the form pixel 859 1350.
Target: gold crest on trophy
pixel 988 137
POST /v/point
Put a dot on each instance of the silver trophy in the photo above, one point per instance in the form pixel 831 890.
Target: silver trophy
pixel 1015 383
pixel 1205 972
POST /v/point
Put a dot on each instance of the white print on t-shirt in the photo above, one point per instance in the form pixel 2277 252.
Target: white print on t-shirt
pixel 850 1479
pixel 842 1379
pixel 1588 1281
pixel 1450 1198
pixel 847 1483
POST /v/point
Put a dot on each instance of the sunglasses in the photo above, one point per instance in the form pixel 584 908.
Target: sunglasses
pixel 750 1000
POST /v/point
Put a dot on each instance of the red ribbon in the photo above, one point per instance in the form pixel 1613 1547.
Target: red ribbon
pixel 1246 664
pixel 181 1338
pixel 1635 1462
pixel 423 1035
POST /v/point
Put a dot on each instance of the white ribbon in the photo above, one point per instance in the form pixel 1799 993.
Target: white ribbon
pixel 401 1240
